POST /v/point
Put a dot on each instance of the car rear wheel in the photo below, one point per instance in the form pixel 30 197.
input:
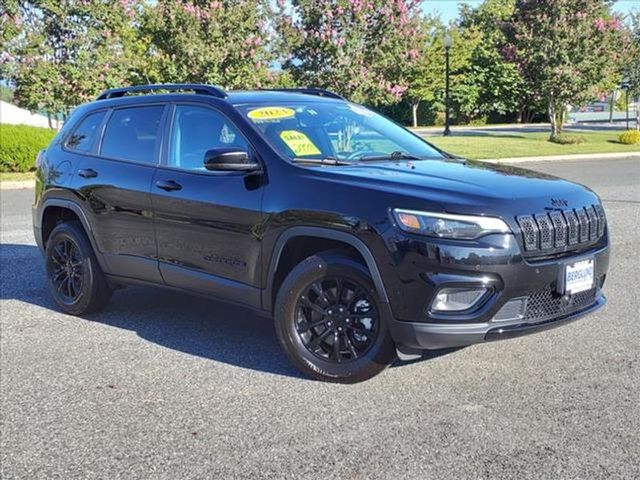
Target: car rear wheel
pixel 330 322
pixel 75 279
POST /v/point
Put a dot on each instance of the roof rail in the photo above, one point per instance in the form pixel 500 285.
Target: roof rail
pixel 320 92
pixel 197 88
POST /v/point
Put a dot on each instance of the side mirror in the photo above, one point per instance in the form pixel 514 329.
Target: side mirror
pixel 229 160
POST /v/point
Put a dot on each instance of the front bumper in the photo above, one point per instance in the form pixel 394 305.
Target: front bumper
pixel 431 336
pixel 424 266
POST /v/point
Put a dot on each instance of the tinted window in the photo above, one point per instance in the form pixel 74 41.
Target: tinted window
pixel 84 136
pixel 132 133
pixel 196 130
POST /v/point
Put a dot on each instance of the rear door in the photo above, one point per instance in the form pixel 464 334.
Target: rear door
pixel 114 184
pixel 207 223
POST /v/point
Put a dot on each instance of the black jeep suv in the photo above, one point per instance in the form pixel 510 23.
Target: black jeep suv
pixel 361 239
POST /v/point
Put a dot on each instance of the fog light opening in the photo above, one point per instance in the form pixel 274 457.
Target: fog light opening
pixel 458 299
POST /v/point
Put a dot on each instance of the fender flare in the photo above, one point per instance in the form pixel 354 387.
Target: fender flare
pixel 77 209
pixel 329 234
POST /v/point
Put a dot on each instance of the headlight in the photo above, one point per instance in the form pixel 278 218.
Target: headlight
pixel 444 225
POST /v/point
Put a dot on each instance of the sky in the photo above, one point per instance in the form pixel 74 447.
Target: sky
pixel 448 9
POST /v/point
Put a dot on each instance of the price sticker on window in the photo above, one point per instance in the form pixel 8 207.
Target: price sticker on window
pixel 299 143
pixel 271 113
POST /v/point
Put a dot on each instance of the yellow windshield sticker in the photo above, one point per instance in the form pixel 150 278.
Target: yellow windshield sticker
pixel 299 143
pixel 271 113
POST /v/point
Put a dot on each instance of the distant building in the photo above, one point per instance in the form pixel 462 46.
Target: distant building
pixel 11 114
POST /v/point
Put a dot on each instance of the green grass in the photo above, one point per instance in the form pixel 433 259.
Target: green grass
pixel 500 145
pixel 16 176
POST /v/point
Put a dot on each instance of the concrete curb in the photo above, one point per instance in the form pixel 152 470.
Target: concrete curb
pixel 578 156
pixel 17 184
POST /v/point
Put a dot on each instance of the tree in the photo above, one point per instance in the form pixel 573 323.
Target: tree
pixel 563 48
pixel 631 61
pixel 202 41
pixel 492 71
pixel 426 75
pixel 67 51
pixel 361 49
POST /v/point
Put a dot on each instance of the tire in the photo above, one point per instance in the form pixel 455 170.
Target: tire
pixel 364 347
pixel 69 255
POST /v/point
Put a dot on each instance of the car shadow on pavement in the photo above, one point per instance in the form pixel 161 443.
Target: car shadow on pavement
pixel 189 324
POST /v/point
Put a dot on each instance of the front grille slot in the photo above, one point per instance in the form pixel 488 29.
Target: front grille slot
pixel 583 220
pixel 529 232
pixel 574 226
pixel 561 231
pixel 601 219
pixel 560 228
pixel 546 231
pixel 593 223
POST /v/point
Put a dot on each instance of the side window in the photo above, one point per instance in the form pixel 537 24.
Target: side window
pixel 85 134
pixel 132 134
pixel 196 130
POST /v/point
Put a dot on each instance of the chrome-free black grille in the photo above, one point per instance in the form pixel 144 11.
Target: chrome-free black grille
pixel 546 304
pixel 561 231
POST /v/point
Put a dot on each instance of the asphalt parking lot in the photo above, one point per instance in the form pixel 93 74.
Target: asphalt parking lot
pixel 167 386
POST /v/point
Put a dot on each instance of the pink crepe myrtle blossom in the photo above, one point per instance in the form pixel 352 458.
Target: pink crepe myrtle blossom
pixel 601 24
pixel 6 57
pixel 396 90
pixel 615 24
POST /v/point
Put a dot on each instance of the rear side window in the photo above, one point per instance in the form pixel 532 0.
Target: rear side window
pixel 132 134
pixel 86 133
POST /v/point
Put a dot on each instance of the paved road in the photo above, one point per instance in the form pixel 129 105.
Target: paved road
pixel 516 129
pixel 168 386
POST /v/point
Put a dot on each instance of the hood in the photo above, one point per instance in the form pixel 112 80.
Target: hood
pixel 468 187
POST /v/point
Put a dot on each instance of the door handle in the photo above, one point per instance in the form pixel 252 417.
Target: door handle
pixel 88 173
pixel 168 185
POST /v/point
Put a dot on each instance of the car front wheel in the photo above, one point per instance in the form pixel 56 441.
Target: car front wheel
pixel 330 322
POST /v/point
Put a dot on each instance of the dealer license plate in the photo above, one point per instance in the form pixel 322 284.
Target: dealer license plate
pixel 578 277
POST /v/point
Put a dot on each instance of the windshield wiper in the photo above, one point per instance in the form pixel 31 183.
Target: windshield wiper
pixel 321 161
pixel 392 156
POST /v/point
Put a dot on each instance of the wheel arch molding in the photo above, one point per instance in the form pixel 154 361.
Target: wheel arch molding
pixel 320 233
pixel 74 207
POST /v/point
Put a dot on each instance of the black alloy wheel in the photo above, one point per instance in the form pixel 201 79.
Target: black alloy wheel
pixel 67 269
pixel 76 281
pixel 331 321
pixel 337 320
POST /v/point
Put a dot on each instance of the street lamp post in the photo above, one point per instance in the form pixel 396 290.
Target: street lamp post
pixel 625 85
pixel 626 101
pixel 448 42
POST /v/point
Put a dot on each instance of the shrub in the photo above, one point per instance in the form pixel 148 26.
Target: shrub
pixel 19 146
pixel 477 122
pixel 439 119
pixel 565 139
pixel 629 137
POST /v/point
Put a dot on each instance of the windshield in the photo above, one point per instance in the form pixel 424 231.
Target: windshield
pixel 345 132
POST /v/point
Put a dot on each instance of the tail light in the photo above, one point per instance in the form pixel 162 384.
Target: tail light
pixel 40 159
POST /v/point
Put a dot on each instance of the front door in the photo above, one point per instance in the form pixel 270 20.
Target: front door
pixel 207 223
